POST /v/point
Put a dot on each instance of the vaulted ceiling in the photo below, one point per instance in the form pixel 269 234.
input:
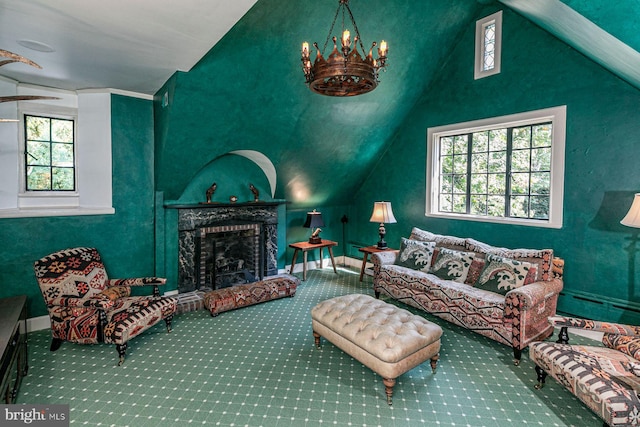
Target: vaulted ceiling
pixel 239 85
pixel 137 45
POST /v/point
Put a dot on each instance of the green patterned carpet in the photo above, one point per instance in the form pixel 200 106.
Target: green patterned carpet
pixel 258 366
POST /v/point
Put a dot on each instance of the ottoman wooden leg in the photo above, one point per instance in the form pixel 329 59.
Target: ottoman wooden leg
pixel 434 362
pixel 388 388
pixel 316 337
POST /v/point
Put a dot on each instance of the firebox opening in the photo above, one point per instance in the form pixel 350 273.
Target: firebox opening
pixel 230 255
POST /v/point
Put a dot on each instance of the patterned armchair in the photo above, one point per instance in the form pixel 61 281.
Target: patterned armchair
pixel 606 379
pixel 87 307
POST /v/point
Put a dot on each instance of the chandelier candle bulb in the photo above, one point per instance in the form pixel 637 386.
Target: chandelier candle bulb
pixel 305 49
pixel 346 42
pixel 383 48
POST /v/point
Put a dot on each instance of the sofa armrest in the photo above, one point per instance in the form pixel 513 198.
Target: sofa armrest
pixel 138 281
pixel 384 258
pixel 533 294
pixel 528 308
pixel 594 325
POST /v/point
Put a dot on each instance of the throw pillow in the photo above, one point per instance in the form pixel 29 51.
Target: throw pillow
pixel 501 275
pixel 115 292
pixel 416 255
pixel 452 265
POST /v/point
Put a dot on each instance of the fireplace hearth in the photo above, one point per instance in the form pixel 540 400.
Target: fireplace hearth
pixel 222 245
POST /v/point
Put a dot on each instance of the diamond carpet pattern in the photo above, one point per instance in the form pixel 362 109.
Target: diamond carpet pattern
pixel 258 366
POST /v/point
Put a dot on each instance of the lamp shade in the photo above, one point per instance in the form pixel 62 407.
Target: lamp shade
pixel 632 218
pixel 314 220
pixel 382 213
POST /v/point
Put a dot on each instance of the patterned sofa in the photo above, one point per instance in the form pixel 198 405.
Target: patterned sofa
pixel 605 378
pixel 504 294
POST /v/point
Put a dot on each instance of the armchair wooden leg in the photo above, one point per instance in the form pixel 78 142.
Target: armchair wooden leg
pixel 122 350
pixel 563 336
pixel 542 375
pixel 517 355
pixel 55 344
pixel 168 320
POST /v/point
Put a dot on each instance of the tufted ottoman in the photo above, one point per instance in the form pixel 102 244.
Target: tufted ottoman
pixel 273 287
pixel 388 340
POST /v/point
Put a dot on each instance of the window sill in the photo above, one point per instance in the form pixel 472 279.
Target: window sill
pixel 500 220
pixel 34 213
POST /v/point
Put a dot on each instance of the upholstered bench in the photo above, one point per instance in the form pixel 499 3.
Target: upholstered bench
pixel 387 339
pixel 272 287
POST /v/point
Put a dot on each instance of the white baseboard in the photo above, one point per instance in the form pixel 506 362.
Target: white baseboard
pixel 326 263
pixel 38 323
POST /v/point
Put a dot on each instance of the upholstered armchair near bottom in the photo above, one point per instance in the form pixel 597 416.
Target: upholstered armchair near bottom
pixel 606 379
pixel 87 307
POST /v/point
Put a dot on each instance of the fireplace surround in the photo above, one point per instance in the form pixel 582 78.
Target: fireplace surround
pixel 222 244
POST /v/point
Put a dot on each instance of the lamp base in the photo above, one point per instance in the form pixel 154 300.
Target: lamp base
pixel 315 240
pixel 382 244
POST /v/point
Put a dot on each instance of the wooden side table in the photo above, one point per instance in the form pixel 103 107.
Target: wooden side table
pixel 306 247
pixel 366 251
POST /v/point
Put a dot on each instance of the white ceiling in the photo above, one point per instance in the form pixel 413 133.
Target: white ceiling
pixel 130 45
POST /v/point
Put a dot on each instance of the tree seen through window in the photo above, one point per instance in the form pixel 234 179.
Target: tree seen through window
pixel 497 173
pixel 49 154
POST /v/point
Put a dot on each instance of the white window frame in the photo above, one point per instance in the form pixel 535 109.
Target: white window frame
pixel 481 24
pixel 93 195
pixel 556 115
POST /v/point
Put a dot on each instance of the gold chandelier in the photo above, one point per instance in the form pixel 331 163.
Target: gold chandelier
pixel 344 72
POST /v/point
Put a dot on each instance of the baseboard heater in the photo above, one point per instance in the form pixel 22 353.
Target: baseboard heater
pixel 598 307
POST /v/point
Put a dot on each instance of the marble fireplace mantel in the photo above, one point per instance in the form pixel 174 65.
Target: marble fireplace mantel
pixel 193 217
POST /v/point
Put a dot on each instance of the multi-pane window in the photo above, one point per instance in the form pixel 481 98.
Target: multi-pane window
pixel 504 169
pixel 49 154
pixel 488 45
pixel 504 172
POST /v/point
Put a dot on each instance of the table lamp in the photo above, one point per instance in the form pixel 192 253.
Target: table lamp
pixel 383 214
pixel 632 218
pixel 314 220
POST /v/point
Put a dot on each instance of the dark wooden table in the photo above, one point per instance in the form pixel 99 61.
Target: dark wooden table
pixel 13 346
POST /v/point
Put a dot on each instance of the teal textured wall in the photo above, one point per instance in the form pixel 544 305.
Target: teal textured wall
pixel 601 156
pixel 248 92
pixel 125 239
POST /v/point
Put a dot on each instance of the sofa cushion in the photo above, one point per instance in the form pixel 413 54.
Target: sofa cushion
pixel 415 254
pixel 502 274
pixel 452 265
pixel 450 242
pixel 540 257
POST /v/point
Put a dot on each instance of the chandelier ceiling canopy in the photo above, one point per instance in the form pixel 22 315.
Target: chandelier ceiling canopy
pixel 345 72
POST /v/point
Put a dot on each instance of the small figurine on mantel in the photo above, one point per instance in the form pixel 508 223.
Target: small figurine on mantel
pixel 210 191
pixel 256 193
